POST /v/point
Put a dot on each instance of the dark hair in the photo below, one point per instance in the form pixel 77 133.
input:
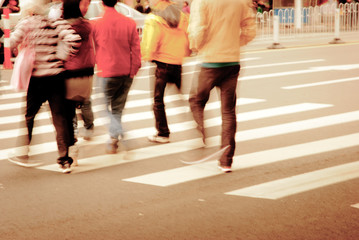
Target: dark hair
pixel 109 3
pixel 71 9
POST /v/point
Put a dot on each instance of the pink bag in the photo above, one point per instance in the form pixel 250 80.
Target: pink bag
pixel 23 66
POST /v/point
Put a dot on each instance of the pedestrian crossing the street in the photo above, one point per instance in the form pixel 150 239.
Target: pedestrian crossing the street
pixel 138 119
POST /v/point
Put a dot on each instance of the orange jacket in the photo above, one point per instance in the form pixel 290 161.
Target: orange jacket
pixel 218 28
pixel 164 36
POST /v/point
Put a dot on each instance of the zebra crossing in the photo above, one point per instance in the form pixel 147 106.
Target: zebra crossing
pixel 138 118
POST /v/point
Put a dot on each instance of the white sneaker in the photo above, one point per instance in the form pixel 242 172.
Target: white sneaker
pixel 66 168
pixel 225 169
pixel 159 139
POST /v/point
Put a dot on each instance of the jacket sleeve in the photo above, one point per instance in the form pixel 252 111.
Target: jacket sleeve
pixel 150 38
pixel 69 40
pixel 196 27
pixel 248 26
pixel 18 35
pixel 135 52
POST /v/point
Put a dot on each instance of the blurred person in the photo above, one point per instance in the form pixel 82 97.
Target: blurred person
pixel 164 42
pixel 118 59
pixel 139 6
pixel 146 8
pixel 80 68
pixel 217 30
pixel 79 72
pixel 186 9
pixel 47 79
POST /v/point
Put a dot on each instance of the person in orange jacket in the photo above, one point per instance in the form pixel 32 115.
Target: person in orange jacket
pixel 164 42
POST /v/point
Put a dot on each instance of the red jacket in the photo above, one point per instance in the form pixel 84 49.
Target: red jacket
pixel 117 45
pixel 85 57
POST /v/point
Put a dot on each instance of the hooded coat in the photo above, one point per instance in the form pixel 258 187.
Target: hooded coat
pixel 164 37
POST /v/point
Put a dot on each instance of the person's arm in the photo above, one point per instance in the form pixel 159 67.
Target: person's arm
pixel 150 39
pixel 248 26
pixel 197 27
pixel 21 30
pixel 135 52
pixel 69 40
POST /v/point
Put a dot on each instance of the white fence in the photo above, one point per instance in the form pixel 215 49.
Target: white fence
pixel 315 21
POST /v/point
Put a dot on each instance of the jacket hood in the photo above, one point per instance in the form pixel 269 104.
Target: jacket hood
pixel 167 13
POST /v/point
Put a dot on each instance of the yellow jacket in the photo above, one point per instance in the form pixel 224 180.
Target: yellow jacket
pixel 218 28
pixel 164 36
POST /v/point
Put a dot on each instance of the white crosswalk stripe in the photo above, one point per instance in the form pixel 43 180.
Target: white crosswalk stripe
pixel 301 183
pixel 207 169
pixel 177 107
pixel 214 122
pixel 182 146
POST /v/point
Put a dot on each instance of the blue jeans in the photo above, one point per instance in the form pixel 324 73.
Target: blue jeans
pixel 116 91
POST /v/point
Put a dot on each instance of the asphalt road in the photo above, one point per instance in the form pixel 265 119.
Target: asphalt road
pixel 296 169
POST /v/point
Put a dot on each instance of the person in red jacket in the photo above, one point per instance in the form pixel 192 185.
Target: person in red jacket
pixel 118 59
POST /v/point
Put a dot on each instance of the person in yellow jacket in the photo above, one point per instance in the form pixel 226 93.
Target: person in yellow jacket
pixel 164 42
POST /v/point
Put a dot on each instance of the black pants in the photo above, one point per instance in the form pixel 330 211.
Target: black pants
pixel 165 73
pixel 225 78
pixel 51 89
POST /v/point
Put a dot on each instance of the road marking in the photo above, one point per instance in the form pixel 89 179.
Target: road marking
pixel 214 141
pixel 310 70
pixel 178 147
pixel 301 183
pixel 321 83
pixel 12 95
pixel 10 106
pixel 137 103
pixel 209 169
pixel 100 121
pixel 283 63
pixel 5 88
pixel 183 126
pixel 244 67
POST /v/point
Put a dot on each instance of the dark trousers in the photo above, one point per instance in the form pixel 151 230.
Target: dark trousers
pixel 86 114
pixel 51 89
pixel 165 73
pixel 225 78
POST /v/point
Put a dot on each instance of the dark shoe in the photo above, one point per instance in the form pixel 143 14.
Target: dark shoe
pixel 24 161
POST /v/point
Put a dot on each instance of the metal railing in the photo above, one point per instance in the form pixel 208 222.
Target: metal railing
pixel 315 21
